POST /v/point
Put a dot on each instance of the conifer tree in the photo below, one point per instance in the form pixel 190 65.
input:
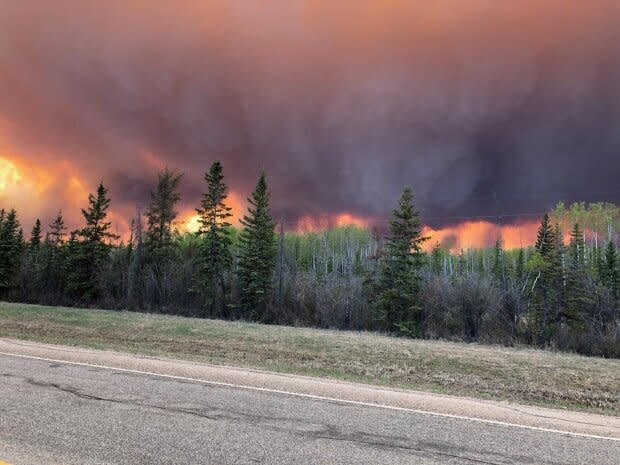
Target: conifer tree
pixel 436 259
pixel 547 294
pixel 57 230
pixel 520 266
pixel 611 274
pixel 498 262
pixel 215 256
pixel 11 241
pixel 545 239
pixel 89 255
pixel 397 306
pixel 577 300
pixel 257 258
pixel 161 213
pixel 56 256
pixel 577 247
pixel 31 277
pixel 35 236
pixel 135 268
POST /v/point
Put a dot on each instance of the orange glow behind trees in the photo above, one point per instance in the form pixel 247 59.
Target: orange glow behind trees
pixel 480 234
pixel 30 191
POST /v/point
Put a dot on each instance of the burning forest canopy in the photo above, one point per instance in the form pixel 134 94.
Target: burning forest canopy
pixel 492 111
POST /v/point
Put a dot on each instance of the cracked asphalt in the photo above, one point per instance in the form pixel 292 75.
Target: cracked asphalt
pixel 55 413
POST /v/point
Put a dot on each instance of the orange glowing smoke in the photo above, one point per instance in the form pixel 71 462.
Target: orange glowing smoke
pixel 189 221
pixel 313 224
pixel 19 182
pixel 481 234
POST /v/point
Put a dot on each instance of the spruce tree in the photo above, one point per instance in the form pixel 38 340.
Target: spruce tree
pixel 611 273
pixel 161 213
pixel 57 230
pixel 397 307
pixel 520 267
pixel 436 259
pixel 577 299
pixel 215 256
pixel 56 256
pixel 11 243
pixel 257 254
pixel 89 255
pixel 31 278
pixel 35 236
pixel 498 263
pixel 548 294
pixel 545 239
pixel 135 279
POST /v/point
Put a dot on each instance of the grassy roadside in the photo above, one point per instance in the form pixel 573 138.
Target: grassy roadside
pixel 521 375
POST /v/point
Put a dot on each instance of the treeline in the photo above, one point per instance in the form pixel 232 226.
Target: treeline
pixel 564 292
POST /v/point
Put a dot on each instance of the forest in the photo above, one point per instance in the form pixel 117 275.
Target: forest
pixel 562 293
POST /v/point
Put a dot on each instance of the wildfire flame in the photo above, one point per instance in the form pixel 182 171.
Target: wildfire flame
pixel 480 234
pixel 308 223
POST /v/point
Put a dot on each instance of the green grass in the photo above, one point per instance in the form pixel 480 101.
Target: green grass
pixel 521 375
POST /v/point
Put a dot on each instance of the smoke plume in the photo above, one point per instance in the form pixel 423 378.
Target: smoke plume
pixel 486 108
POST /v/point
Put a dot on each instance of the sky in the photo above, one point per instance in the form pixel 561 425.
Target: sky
pixel 492 111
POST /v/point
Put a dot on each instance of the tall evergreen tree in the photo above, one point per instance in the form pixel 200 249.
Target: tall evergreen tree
pixel 545 240
pixel 548 292
pixel 257 257
pixel 136 262
pixel 498 263
pixel 58 230
pixel 55 264
pixel 90 254
pixel 611 273
pixel 215 256
pixel 436 259
pixel 161 213
pixel 98 228
pixel 35 236
pixel 577 299
pixel 520 267
pixel 398 304
pixel 11 243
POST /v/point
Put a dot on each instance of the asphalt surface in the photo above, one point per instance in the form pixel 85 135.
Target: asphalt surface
pixel 65 410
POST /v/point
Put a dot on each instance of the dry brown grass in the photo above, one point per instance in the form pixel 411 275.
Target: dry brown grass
pixel 521 375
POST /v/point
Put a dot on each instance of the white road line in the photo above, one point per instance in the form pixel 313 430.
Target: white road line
pixel 317 397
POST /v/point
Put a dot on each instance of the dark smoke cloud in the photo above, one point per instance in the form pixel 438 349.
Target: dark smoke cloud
pixel 484 107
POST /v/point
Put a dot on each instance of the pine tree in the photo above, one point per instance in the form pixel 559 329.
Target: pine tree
pixel 397 307
pixel 257 258
pixel 11 243
pixel 35 236
pixel 498 263
pixel 547 296
pixel 611 273
pixel 136 262
pixel 577 247
pixel 79 284
pixel 161 213
pixel 98 229
pixel 55 264
pixel 215 256
pixel 57 230
pixel 89 255
pixel 577 299
pixel 436 259
pixel 520 266
pixel 545 239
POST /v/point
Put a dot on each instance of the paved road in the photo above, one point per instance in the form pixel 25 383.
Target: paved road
pixel 53 412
